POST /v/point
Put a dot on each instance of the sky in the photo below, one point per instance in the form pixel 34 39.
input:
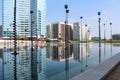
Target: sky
pixel 110 12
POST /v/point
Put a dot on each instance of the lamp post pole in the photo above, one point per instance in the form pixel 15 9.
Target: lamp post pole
pixel 111 31
pixel 99 37
pixel 15 41
pixel 99 29
pixel 67 38
pixel 104 41
pixel 81 29
pixel 31 12
pixel 104 33
pixel 111 36
pixel 66 23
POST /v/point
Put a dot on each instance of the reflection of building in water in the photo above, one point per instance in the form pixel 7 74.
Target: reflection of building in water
pixel 7 65
pixel 55 52
pixel 81 54
pixel 24 68
pixel 41 64
pixel 24 64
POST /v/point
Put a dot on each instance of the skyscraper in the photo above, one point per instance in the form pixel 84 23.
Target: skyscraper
pixel 38 7
pixel 7 16
pixel 25 21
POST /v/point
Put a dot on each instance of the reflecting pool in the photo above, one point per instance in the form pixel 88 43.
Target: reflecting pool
pixel 52 61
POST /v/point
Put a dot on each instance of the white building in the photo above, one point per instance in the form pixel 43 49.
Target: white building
pixel 81 32
pixel 59 30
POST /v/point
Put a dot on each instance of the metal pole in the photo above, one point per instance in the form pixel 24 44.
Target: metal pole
pixel 111 31
pixel 111 37
pixel 99 37
pixel 104 34
pixel 99 29
pixel 31 12
pixel 66 44
pixel 81 29
pixel 104 41
pixel 15 41
pixel 32 71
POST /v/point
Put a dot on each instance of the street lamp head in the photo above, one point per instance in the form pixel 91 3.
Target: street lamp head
pixel 110 23
pixel 99 13
pixel 81 17
pixel 67 11
pixel 65 22
pixel 66 6
pixel 31 11
pixel 104 24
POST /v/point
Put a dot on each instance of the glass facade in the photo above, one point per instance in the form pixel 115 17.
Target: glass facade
pixel 23 17
pixel 39 17
pixel 7 15
pixel 25 21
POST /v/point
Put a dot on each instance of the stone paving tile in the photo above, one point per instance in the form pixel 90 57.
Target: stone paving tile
pixel 114 75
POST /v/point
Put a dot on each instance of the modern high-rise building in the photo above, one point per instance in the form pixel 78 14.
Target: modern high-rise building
pixel 59 30
pixel 38 17
pixel 81 33
pixel 25 20
pixel 7 17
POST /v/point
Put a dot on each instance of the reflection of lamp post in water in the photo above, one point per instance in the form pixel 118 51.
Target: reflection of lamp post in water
pixel 67 61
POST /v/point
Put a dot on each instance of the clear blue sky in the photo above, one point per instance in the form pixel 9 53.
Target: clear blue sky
pixel 110 12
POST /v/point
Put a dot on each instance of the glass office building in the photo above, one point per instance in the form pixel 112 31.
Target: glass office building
pixel 7 17
pixel 25 21
pixel 39 17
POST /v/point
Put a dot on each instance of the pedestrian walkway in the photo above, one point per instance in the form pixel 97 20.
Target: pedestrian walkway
pixel 107 70
pixel 115 74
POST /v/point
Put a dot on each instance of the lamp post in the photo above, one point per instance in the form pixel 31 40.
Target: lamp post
pixel 67 38
pixel 99 37
pixel 86 33
pixel 104 33
pixel 31 12
pixel 99 28
pixel 81 29
pixel 32 71
pixel 66 23
pixel 111 36
pixel 15 41
pixel 111 31
pixel 104 41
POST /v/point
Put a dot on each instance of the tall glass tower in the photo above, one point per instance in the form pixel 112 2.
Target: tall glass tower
pixel 38 7
pixel 25 20
pixel 7 17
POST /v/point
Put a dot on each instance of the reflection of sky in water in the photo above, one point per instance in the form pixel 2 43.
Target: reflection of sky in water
pixel 51 63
